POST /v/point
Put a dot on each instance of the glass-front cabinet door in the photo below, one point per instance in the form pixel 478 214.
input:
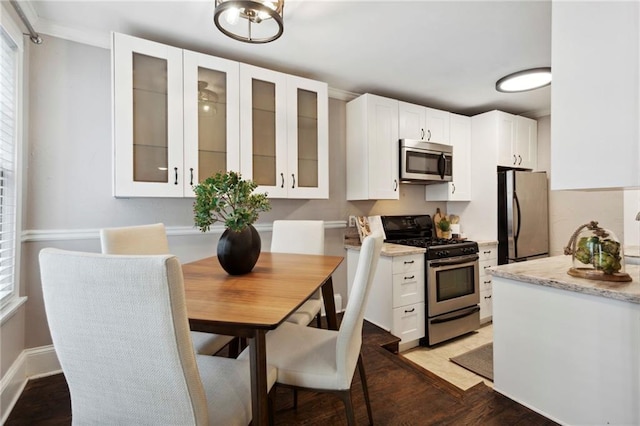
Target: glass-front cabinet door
pixel 284 133
pixel 211 117
pixel 147 85
pixel 308 139
pixel 263 129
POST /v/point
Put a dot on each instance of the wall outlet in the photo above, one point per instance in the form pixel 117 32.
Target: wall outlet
pixel 352 221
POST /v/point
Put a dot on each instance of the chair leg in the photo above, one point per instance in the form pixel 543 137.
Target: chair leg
pixel 319 320
pixel 272 405
pixel 295 398
pixel 348 406
pixel 234 347
pixel 365 388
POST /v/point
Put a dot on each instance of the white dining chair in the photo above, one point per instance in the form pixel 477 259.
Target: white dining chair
pixel 148 240
pixel 301 237
pixel 325 360
pixel 120 331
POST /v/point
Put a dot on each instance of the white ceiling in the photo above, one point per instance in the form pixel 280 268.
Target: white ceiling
pixel 443 54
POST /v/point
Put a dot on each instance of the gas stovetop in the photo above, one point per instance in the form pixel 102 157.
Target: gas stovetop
pixel 417 231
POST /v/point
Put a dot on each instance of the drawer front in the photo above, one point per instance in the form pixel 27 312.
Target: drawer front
pixel 484 264
pixel 414 262
pixel 408 322
pixel 485 283
pixel 486 305
pixel 408 288
pixel 488 252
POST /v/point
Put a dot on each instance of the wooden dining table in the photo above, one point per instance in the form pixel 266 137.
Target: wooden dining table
pixel 250 305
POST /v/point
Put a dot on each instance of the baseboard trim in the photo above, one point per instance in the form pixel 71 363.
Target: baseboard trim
pixel 30 364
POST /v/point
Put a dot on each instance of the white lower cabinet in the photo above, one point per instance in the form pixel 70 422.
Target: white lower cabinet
pixel 396 298
pixel 488 257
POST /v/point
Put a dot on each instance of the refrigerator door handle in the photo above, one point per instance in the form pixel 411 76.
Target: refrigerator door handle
pixel 517 233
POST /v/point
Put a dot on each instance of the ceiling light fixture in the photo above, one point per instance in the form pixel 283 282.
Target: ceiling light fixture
pixel 522 81
pixel 263 19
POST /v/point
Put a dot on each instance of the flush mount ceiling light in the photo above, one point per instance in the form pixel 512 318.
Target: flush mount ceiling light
pixel 263 19
pixel 522 81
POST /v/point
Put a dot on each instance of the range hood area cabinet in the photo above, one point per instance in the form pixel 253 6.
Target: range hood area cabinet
pixel 596 103
pixel 459 189
pixel 372 148
pixel 177 121
pixel 423 123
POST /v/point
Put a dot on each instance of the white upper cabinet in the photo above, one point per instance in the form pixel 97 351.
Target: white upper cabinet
pixel 284 133
pixel 422 123
pixel 595 57
pixel 147 118
pixel 459 189
pixel 211 117
pixel 177 121
pixel 372 148
pixel 517 141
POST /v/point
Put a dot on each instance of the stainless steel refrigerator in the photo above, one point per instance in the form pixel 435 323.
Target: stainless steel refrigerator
pixel 523 216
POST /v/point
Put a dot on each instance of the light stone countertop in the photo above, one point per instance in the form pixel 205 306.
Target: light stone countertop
pixel 389 249
pixel 482 243
pixel 552 272
pixel 632 251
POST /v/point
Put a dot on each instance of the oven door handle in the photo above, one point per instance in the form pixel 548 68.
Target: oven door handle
pixel 455 315
pixel 457 261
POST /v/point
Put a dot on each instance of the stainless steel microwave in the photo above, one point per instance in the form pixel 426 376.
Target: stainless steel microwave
pixel 425 162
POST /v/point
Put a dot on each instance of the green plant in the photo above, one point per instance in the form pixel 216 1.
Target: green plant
pixel 226 197
pixel 444 224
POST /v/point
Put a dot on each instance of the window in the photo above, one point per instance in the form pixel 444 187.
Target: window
pixel 10 144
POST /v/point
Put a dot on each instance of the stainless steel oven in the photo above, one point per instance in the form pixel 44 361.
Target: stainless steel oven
pixel 453 295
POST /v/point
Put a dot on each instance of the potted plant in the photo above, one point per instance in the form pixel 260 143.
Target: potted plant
pixel 445 226
pixel 227 198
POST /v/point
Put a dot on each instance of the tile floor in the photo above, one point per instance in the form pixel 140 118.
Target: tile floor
pixel 436 359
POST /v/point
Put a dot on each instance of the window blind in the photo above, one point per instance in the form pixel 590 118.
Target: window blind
pixel 8 140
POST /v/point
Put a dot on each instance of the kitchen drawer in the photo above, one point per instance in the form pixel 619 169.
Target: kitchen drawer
pixel 408 322
pixel 486 305
pixel 484 264
pixel 488 252
pixel 408 288
pixel 485 283
pixel 413 262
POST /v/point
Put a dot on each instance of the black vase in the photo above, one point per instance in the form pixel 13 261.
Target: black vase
pixel 238 252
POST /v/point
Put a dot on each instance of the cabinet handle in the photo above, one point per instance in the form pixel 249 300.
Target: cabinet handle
pixel 515 160
pixel 488 297
pixel 191 182
pixel 429 135
pixel 282 177
pixel 410 278
pixel 175 169
pixel 454 188
pixel 395 185
pixel 409 311
pixel 488 282
pixel 519 160
pixel 293 178
pixel 487 252
pixel 422 134
pixel 487 267
pixel 409 262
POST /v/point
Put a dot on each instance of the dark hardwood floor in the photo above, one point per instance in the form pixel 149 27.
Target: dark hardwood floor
pixel 402 393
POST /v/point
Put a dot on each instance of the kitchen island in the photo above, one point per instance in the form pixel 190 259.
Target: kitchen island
pixel 567 347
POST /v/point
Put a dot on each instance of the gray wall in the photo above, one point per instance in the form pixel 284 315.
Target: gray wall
pixel 68 188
